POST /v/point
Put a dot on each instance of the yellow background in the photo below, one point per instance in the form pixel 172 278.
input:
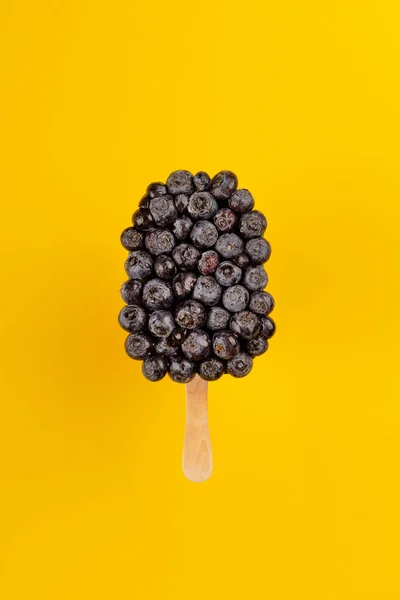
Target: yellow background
pixel 301 99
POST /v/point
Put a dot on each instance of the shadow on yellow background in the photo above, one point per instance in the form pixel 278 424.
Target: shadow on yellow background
pixel 301 100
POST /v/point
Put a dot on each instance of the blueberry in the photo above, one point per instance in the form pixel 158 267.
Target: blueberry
pixel 217 318
pixel 160 241
pixel 131 291
pixel 164 267
pixel 143 220
pixel 255 278
pixel 161 323
pixel 155 190
pixel 139 264
pixel 258 250
pixel 132 239
pixel 181 202
pixel 207 290
pixel 240 365
pixel 208 262
pixel 132 318
pixel 224 184
pixel 163 210
pixel 165 347
pixel 138 346
pixel 261 303
pixel 202 181
pixel 257 346
pixel 202 205
pixel 157 295
pixel 225 220
pixel 178 336
pixel 241 201
pixel 245 324
pixel 252 224
pixel 204 234
pixel 180 182
pixel 242 260
pixel 186 256
pixel 268 327
pixel 225 344
pixel 183 284
pixel 155 368
pixel 235 298
pixel 229 245
pixel 144 202
pixel 190 314
pixel 197 345
pixel 228 274
pixel 181 370
pixel 211 369
pixel 182 227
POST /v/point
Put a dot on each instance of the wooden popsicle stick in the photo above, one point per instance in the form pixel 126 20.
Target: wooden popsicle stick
pixel 197 455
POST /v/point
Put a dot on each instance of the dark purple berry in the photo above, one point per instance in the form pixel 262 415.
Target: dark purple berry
pixel 178 336
pixel 211 369
pixel 197 345
pixel 165 347
pixel 261 303
pixel 268 327
pixel 252 224
pixel 207 290
pixel 202 181
pixel 132 239
pixel 143 220
pixel 204 234
pixel 163 210
pixel 157 295
pixel 181 370
pixel 144 202
pixel 155 368
pixel 257 346
pixel 225 344
pixel 245 324
pixel 240 365
pixel 139 264
pixel 132 318
pixel 182 227
pixel 217 318
pixel 183 284
pixel 225 220
pixel 160 241
pixel 229 245
pixel 164 267
pixel 186 256
pixel 155 190
pixel 181 202
pixel 202 205
pixel 208 262
pixel 161 323
pixel 235 298
pixel 242 260
pixel 255 278
pixel 241 201
pixel 131 291
pixel 224 184
pixel 190 314
pixel 138 346
pixel 180 182
pixel 228 274
pixel 258 250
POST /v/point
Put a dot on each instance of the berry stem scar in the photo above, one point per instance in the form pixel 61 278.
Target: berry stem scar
pixel 197 455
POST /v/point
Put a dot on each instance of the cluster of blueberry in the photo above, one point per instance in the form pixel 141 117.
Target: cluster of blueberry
pixel 194 298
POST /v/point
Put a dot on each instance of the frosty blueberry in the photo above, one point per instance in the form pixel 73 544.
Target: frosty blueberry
pixel 143 220
pixel 207 290
pixel 252 224
pixel 245 324
pixel 182 227
pixel 181 370
pixel 181 202
pixel 139 264
pixel 229 245
pixel 164 267
pixel 202 181
pixel 159 241
pixel 217 318
pixel 132 318
pixel 241 201
pixel 183 284
pixel 228 274
pixel 138 346
pixel 190 314
pixel 180 182
pixel 211 369
pixel 257 346
pixel 225 220
pixel 204 234
pixel 202 205
pixel 240 365
pixel 154 190
pixel 131 291
pixel 235 298
pixel 157 295
pixel 208 262
pixel 161 323
pixel 197 345
pixel 224 184
pixel 163 210
pixel 268 327
pixel 225 344
pixel 255 278
pixel 262 303
pixel 155 368
pixel 186 256
pixel 132 239
pixel 258 250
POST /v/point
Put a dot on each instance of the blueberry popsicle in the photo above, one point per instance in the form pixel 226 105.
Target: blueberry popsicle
pixel 196 308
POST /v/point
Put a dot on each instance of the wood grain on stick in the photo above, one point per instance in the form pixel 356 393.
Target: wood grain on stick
pixel 197 456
